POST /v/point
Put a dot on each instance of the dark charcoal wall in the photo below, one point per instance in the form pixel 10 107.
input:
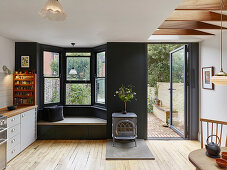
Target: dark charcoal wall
pixel 193 91
pixel 26 49
pixel 127 64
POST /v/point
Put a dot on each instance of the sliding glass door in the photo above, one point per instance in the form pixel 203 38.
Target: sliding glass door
pixel 178 90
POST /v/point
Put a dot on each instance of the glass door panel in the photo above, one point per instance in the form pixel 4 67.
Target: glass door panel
pixel 178 89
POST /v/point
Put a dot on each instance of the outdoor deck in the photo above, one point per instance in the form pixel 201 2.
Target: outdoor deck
pixel 156 130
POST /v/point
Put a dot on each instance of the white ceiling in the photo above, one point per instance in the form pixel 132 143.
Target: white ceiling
pixel 89 22
pixel 179 38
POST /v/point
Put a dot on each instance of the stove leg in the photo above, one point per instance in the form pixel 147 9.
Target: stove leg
pixel 135 143
pixel 113 142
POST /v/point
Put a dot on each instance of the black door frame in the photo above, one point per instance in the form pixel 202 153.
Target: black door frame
pixel 185 133
pixel 193 87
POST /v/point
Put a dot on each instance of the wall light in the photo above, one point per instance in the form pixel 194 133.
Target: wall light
pixel 5 69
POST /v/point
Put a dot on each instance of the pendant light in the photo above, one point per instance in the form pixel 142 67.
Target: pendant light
pixel 73 71
pixel 53 11
pixel 221 77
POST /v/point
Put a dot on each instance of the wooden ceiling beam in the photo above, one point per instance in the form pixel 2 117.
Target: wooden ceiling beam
pixel 201 5
pixel 187 25
pixel 180 32
pixel 195 15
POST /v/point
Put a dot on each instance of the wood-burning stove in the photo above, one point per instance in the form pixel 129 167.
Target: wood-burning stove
pixel 124 127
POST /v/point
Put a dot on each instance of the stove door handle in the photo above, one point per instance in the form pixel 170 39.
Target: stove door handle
pixel 3 142
pixel 3 130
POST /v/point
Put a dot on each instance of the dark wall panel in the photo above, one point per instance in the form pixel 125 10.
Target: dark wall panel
pixel 193 91
pixel 127 65
pixel 26 49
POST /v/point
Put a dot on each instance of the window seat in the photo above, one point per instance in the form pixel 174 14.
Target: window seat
pixel 76 121
pixel 73 128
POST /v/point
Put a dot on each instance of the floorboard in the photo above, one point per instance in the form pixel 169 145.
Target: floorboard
pixel 90 155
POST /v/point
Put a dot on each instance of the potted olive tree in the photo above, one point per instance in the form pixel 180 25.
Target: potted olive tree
pixel 126 94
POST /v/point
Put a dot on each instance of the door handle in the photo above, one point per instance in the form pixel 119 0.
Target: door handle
pixel 172 89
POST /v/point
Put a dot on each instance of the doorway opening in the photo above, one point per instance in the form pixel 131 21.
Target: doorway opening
pixel 167 91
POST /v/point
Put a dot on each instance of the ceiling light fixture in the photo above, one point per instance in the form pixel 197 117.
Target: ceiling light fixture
pixel 221 77
pixel 53 11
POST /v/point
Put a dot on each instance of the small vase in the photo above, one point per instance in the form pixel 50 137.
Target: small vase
pixel 124 111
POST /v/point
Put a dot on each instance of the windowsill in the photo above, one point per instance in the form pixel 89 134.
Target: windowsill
pixel 99 107
pixel 89 106
pixel 78 106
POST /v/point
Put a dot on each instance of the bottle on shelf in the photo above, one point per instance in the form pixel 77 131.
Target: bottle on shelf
pixel 24 88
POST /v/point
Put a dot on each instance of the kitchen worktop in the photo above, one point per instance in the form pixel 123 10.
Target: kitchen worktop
pixel 19 110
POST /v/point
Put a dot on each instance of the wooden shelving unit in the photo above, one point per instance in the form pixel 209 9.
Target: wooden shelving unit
pixel 24 89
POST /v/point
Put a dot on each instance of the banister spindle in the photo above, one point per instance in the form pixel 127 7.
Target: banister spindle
pixel 212 132
pixel 201 134
pixel 221 134
pixel 216 133
pixel 208 130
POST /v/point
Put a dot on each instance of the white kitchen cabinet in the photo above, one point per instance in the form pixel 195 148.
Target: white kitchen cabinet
pixel 28 128
pixel 21 132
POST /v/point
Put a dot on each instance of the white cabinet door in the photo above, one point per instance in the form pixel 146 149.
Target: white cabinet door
pixel 28 128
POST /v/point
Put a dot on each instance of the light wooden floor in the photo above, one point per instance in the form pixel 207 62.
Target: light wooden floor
pixel 90 155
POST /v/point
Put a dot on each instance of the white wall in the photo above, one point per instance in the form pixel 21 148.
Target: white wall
pixel 7 57
pixel 214 102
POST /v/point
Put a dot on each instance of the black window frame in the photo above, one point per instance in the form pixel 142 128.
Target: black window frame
pixel 96 77
pixel 41 77
pixel 65 81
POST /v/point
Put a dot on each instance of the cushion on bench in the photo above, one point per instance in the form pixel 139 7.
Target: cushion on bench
pixel 54 113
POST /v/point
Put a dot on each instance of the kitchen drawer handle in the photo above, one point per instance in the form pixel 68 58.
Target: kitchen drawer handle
pixel 13 151
pixel 13 130
pixel 13 141
pixel 13 119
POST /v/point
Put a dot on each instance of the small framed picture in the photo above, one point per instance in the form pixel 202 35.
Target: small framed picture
pixel 207 73
pixel 24 61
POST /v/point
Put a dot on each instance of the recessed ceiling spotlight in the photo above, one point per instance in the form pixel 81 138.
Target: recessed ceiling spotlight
pixel 53 10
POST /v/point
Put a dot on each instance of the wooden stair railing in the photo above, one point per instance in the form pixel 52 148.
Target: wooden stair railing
pixel 213 124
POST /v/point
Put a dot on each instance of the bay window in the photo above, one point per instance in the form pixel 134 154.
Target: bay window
pixel 51 77
pixel 100 78
pixel 78 79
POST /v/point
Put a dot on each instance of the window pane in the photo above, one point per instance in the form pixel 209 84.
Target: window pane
pixel 78 94
pixel 78 68
pixel 51 90
pixel 78 54
pixel 50 64
pixel 100 90
pixel 101 64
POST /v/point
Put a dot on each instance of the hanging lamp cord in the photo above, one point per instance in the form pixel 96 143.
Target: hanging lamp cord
pixel 222 4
